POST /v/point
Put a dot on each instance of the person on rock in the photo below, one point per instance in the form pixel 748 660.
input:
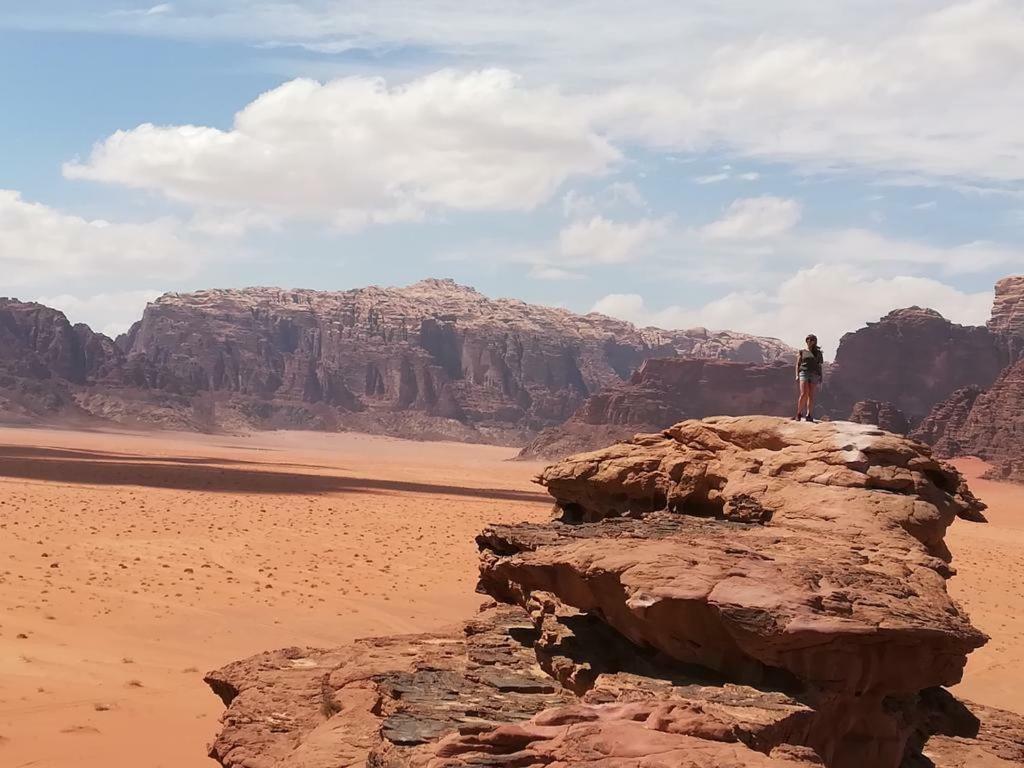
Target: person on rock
pixel 810 364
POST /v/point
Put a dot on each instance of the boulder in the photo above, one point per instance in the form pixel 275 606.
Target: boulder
pixel 883 415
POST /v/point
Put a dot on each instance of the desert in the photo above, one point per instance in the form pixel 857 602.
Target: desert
pixel 434 384
pixel 134 563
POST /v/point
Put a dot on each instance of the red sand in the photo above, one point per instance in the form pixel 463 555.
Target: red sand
pixel 131 564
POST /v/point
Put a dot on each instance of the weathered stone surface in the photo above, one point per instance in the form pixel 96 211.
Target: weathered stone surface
pixel 883 415
pixel 912 358
pixel 480 697
pixel 748 592
pixel 1008 314
pixel 987 424
pixel 942 427
pixel 767 550
pixel 665 391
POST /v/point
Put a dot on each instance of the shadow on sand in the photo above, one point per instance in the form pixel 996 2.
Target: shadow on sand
pixel 212 475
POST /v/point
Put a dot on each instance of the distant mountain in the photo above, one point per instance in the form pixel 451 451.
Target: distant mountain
pixel 432 360
pixel 913 368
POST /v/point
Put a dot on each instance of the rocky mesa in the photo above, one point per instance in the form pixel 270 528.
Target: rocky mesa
pixel 729 592
pixel 434 359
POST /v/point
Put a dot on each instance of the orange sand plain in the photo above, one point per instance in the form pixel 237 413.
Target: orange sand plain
pixel 130 564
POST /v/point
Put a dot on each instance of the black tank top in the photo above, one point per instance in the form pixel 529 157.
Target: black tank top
pixel 811 361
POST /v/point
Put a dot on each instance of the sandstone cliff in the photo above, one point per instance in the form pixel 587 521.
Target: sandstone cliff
pixel 985 420
pixel 727 593
pixel 434 359
pixel 913 359
pixel 664 391
pixel 1008 314
pixel 988 424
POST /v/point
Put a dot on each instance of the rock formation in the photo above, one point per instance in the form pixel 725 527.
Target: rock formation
pixel 1008 314
pixel 434 359
pixel 883 415
pixel 987 424
pixel 729 592
pixel 665 391
pixel 912 358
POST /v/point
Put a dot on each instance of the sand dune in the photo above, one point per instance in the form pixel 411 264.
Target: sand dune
pixel 130 564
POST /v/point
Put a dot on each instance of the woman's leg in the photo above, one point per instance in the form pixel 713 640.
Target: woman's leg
pixel 802 400
pixel 812 388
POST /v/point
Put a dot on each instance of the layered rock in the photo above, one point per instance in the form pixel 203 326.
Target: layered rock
pixel 731 592
pixel 39 343
pixel 883 415
pixel 987 424
pixel 665 391
pixel 1008 314
pixel 912 358
pixel 374 359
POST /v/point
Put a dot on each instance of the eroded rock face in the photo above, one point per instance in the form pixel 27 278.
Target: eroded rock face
pixel 665 391
pixel 883 415
pixel 1008 314
pixel 730 592
pixel 912 358
pixel 39 343
pixel 988 424
pixel 433 356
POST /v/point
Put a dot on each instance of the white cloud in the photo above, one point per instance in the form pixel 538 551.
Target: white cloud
pixel 38 242
pixel 354 151
pixel 754 218
pixel 110 313
pixel 826 299
pixel 714 178
pixel 602 241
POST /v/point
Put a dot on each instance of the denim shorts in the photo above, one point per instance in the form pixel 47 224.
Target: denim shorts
pixel 805 376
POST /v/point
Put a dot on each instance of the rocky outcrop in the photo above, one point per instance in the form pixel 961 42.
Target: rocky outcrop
pixel 39 343
pixel 912 358
pixel 1008 314
pixel 942 427
pixel 395 360
pixel 883 415
pixel 987 424
pixel 730 592
pixel 665 391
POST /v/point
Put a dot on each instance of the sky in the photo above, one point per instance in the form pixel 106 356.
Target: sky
pixel 774 168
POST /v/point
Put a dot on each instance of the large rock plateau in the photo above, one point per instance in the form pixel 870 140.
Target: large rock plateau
pixel 434 359
pixel 728 592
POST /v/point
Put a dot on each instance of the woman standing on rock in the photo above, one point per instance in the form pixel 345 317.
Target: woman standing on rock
pixel 809 366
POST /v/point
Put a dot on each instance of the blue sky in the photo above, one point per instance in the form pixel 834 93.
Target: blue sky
pixel 774 170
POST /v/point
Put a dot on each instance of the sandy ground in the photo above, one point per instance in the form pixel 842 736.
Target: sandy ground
pixel 990 584
pixel 130 564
